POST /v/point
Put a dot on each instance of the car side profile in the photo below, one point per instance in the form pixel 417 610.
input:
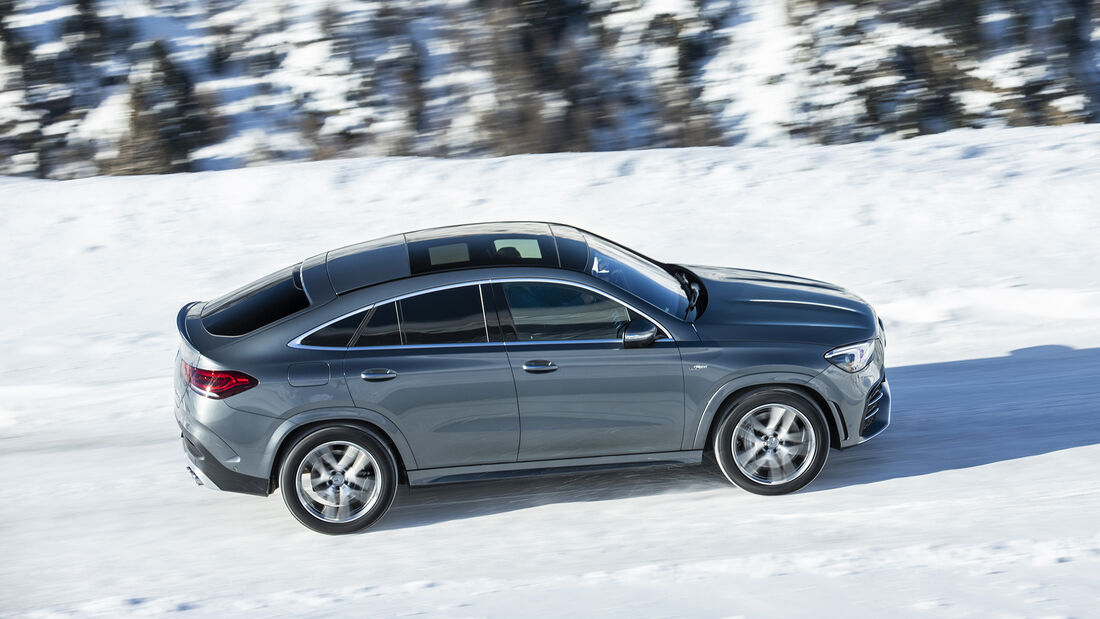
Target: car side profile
pixel 499 349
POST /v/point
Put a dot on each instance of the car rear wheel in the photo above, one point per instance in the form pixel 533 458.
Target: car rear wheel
pixel 772 442
pixel 338 479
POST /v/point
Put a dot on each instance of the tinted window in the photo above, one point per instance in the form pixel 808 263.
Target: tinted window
pixel 503 248
pixel 633 273
pixel 442 255
pixel 381 328
pixel 336 335
pixel 520 249
pixel 256 305
pixel 543 311
pixel 451 316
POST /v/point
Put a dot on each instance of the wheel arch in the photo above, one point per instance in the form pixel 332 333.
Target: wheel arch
pixel 370 421
pixel 737 389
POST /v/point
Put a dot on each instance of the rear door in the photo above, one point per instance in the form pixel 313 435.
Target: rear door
pixel 581 393
pixel 433 364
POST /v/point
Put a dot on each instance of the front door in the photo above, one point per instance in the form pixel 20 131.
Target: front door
pixel 427 362
pixel 581 393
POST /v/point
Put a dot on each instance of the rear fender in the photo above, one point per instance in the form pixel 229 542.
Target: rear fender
pixel 337 415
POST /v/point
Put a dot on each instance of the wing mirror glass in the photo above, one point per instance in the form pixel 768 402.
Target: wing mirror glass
pixel 639 334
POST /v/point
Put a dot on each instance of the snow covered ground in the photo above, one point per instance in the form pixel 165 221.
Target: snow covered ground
pixel 979 248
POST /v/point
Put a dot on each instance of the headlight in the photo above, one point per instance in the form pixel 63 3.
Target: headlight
pixel 852 358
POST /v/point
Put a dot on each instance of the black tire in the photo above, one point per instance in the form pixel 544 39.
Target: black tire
pixel 370 474
pixel 771 460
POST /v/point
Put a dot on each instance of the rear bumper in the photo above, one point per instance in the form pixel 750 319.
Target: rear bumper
pixel 207 471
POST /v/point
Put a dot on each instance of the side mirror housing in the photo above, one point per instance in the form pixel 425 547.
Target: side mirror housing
pixel 639 334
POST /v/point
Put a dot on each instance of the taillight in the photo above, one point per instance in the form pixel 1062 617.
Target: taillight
pixel 217 384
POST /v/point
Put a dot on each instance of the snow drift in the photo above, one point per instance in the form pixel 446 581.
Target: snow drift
pixel 978 248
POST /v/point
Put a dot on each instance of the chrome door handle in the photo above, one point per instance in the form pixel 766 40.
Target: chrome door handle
pixel 378 375
pixel 539 366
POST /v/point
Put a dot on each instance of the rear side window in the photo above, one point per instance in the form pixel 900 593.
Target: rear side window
pixel 256 305
pixel 381 328
pixel 336 335
pixel 451 316
pixel 557 312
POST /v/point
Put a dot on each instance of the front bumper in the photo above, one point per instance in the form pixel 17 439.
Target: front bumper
pixel 876 413
pixel 860 403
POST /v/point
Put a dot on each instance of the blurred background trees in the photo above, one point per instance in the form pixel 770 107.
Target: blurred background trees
pixel 151 86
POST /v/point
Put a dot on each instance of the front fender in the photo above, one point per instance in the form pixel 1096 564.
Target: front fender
pixel 695 435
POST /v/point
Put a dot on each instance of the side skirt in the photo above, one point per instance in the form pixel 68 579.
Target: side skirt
pixel 479 472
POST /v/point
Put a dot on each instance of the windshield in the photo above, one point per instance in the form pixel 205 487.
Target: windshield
pixel 629 271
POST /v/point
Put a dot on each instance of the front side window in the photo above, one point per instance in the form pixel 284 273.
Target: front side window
pixel 559 312
pixel 450 316
pixel 632 273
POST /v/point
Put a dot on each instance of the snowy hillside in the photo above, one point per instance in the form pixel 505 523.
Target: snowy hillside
pixel 978 248
pixel 149 86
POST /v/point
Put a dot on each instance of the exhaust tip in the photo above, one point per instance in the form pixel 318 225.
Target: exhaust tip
pixel 198 480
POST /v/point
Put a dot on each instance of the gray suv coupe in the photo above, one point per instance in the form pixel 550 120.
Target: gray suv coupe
pixel 492 350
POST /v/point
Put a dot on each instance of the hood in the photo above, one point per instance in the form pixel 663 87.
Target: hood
pixel 759 306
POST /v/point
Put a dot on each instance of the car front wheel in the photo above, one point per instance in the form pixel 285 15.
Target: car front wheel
pixel 772 442
pixel 338 480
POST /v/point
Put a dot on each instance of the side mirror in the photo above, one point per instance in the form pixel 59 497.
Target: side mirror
pixel 639 334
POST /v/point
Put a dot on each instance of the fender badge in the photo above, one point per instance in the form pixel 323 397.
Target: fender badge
pixel 699 366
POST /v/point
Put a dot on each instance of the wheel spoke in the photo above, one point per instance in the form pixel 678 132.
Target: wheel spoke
pixel 328 458
pixel 361 461
pixel 363 484
pixel 796 438
pixel 758 427
pixel 785 426
pixel 316 464
pixel 775 415
pixel 350 454
pixel 319 484
pixel 766 461
pixel 745 435
pixel 785 467
pixel 750 455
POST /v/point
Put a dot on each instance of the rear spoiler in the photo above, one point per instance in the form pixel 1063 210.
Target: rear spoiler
pixel 181 320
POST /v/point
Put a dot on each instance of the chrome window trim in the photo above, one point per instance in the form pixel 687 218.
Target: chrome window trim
pixel 297 342
pixel 556 342
pixel 484 316
pixel 407 346
pixel 397 314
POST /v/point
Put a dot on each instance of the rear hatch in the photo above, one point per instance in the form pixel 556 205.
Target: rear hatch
pixel 204 327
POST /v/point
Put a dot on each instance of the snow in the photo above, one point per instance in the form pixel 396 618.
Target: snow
pixel 977 247
pixel 754 72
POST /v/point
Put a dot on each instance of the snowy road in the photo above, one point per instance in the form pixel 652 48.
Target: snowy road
pixel 972 503
pixel 981 499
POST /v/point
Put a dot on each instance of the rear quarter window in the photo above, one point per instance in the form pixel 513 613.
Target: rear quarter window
pixel 256 305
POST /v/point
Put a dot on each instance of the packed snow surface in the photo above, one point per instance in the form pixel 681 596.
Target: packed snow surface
pixel 978 248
